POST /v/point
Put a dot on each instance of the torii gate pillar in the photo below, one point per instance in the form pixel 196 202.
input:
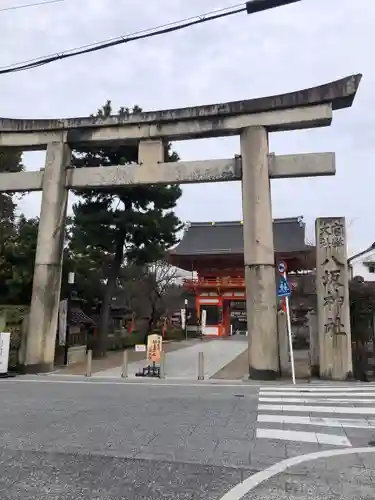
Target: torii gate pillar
pixel 43 319
pixel 259 257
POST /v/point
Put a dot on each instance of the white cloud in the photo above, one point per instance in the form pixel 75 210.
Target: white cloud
pixel 298 46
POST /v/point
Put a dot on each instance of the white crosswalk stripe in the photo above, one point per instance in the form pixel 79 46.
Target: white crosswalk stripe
pixel 282 412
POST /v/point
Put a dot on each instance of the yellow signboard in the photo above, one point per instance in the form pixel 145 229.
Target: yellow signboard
pixel 154 348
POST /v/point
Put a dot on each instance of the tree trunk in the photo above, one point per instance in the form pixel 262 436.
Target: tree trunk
pixel 151 322
pixel 100 348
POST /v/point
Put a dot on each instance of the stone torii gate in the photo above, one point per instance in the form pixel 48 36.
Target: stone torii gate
pixel 252 119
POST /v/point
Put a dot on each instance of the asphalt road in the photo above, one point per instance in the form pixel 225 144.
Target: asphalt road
pixel 65 440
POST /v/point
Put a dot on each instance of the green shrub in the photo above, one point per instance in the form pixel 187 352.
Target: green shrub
pixel 131 339
pixel 125 340
pixel 174 334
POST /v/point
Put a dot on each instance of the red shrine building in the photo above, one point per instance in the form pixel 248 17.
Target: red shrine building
pixel 213 253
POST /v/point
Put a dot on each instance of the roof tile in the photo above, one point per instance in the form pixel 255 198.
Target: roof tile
pixel 220 238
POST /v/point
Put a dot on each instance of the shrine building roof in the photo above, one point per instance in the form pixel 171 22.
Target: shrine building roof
pixel 225 238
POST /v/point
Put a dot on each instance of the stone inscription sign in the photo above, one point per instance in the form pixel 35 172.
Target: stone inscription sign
pixel 331 236
pixel 332 233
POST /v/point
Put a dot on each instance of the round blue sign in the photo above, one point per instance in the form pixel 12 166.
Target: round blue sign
pixel 282 267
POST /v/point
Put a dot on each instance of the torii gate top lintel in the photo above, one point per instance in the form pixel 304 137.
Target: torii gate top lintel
pixel 339 94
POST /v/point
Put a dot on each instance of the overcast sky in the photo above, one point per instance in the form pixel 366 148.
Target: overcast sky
pixel 290 48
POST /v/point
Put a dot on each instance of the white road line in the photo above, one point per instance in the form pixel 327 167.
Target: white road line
pixel 303 437
pixel 125 382
pixel 356 423
pixel 313 394
pixel 315 400
pixel 318 409
pixel 243 488
pixel 352 388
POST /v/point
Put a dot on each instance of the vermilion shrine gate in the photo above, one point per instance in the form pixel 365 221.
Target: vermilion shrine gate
pixel 253 120
pixel 214 251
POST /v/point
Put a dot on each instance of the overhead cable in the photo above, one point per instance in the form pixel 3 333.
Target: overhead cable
pixel 28 5
pixel 139 35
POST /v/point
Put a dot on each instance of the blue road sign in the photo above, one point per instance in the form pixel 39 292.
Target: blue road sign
pixel 283 289
pixel 282 267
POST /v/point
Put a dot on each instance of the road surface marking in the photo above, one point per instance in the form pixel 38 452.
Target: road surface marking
pixel 124 383
pixel 319 409
pixel 352 388
pixel 241 489
pixel 279 410
pixel 312 394
pixel 315 400
pixel 321 421
pixel 303 437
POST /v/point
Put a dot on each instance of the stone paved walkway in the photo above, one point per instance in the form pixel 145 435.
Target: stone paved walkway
pixel 238 368
pixel 114 359
pixel 183 363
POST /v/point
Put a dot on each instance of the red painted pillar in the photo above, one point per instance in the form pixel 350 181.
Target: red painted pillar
pixel 197 308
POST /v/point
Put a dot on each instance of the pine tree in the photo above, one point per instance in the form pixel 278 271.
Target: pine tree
pixel 10 162
pixel 120 226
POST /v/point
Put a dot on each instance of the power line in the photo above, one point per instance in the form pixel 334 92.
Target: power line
pixel 27 5
pixel 138 35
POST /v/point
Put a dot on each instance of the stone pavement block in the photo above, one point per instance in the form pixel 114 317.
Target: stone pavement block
pixel 238 459
pixel 201 456
pixel 273 448
pixel 210 422
pixel 261 461
pixel 173 438
pixel 242 446
pixel 338 465
pixel 210 431
pixel 197 443
pixel 360 433
pixel 361 442
pixel 244 418
pixel 177 447
pixel 293 449
pixel 368 461
pixel 126 436
pixel 127 450
pixel 162 427
pixel 155 453
pixel 228 433
pixel 243 425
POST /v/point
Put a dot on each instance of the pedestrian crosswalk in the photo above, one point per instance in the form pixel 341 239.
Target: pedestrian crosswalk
pixel 315 414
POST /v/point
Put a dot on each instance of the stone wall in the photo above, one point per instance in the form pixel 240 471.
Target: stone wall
pixel 12 318
pixel 76 354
